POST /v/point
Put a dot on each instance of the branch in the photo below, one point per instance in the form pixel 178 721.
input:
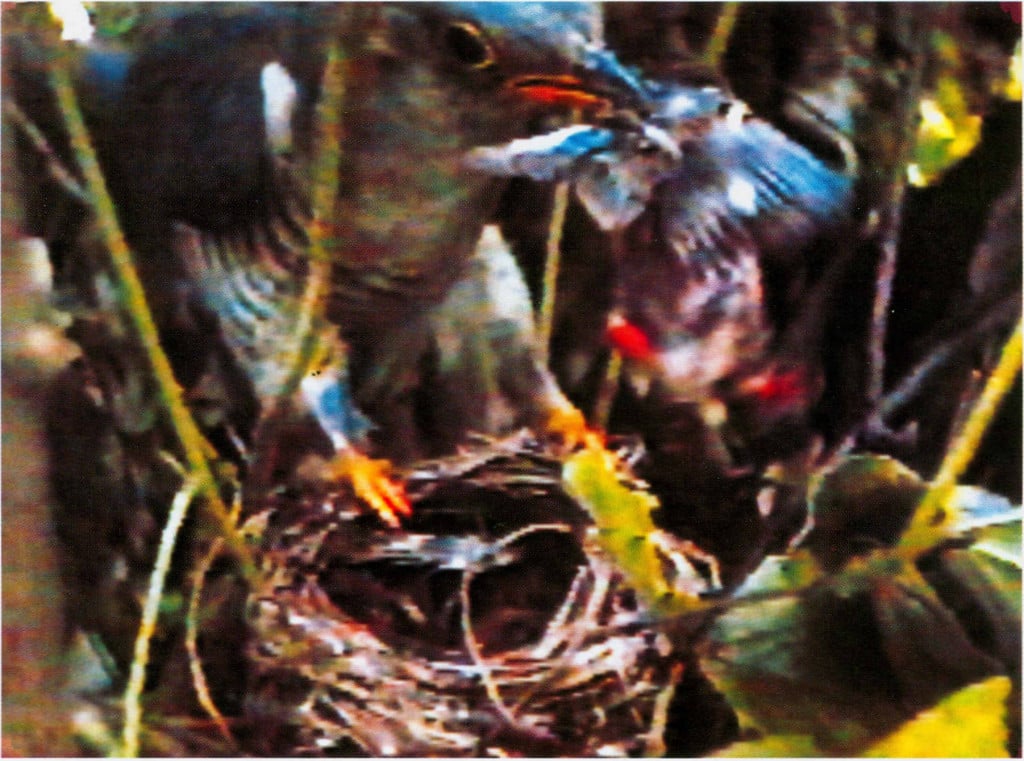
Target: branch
pixel 133 300
pixel 933 512
pixel 60 175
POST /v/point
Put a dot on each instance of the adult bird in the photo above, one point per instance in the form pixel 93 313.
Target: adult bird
pixel 205 126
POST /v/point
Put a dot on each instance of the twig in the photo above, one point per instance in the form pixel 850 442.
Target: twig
pixel 883 297
pixel 890 232
pixel 133 299
pixel 552 264
pixel 608 390
pixel 61 176
pixel 472 646
pixel 150 611
pixel 721 34
pixel 914 381
pixel 324 194
pixel 933 511
pixel 654 742
pixel 195 663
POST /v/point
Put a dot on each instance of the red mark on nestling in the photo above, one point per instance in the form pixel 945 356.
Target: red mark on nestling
pixel 777 388
pixel 1013 9
pixel 629 340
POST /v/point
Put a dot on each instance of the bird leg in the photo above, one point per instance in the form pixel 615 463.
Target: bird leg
pixel 326 393
pixel 371 483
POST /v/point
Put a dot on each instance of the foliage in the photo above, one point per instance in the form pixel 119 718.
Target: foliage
pixel 892 629
pixel 909 638
pixel 970 723
pixel 625 530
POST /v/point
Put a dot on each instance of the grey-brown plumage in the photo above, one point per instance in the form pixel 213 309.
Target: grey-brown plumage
pixel 205 127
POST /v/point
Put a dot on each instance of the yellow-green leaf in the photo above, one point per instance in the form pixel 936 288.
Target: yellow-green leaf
pixel 969 723
pixel 626 530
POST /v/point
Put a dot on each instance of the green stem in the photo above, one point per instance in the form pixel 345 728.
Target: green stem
pixel 150 611
pixel 608 391
pixel 324 191
pixel 716 47
pixel 933 510
pixel 552 263
pixel 133 299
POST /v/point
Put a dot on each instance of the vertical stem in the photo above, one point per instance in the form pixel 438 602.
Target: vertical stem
pixel 933 510
pixel 886 273
pixel 607 392
pixel 133 299
pixel 324 192
pixel 719 41
pixel 151 609
pixel 552 263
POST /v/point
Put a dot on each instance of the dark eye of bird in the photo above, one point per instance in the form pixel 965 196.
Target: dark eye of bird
pixel 468 45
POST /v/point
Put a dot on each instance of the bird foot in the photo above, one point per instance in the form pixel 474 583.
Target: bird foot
pixel 372 484
pixel 568 424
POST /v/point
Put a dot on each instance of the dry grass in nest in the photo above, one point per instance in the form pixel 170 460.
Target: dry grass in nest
pixel 492 624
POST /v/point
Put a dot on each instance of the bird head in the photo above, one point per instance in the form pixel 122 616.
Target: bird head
pixel 486 70
pixel 428 82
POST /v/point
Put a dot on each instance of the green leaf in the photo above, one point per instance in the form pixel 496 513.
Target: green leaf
pixel 985 593
pixel 780 574
pixel 969 723
pixel 831 668
pixel 977 508
pixel 926 647
pixel 786 677
pixel 862 503
pixel 1001 542
pixel 627 532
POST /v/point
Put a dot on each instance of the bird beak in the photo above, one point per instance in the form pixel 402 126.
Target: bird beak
pixel 560 90
pixel 604 84
pixel 608 71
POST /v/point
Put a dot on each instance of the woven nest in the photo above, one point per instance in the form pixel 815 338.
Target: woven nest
pixel 492 624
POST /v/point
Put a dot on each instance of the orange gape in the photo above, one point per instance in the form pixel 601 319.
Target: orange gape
pixel 560 90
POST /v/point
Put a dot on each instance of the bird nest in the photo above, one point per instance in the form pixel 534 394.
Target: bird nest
pixel 493 623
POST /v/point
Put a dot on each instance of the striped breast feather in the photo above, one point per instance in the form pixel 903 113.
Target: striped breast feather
pixel 254 298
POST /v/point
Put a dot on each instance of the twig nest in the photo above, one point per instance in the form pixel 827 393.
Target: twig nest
pixel 491 624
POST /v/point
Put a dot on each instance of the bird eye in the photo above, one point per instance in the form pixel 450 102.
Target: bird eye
pixel 468 45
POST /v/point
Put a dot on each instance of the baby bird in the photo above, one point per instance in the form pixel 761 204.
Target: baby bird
pixel 694 199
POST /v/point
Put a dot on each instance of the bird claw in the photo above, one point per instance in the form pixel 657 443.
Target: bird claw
pixel 372 485
pixel 568 424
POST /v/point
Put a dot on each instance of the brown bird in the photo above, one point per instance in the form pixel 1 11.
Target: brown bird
pixel 205 128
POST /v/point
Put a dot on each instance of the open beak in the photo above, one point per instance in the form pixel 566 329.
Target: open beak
pixel 560 90
pixel 604 84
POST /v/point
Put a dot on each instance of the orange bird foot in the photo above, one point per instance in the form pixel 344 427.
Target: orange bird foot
pixel 568 424
pixel 372 484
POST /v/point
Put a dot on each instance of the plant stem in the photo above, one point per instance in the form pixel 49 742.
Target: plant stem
pixel 57 171
pixel 133 299
pixel 552 263
pixel 933 511
pixel 150 611
pixel 720 35
pixel 324 192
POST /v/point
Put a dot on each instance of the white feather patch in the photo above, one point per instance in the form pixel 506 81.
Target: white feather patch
pixel 279 94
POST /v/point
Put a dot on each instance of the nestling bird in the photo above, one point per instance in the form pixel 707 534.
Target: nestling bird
pixel 205 129
pixel 690 231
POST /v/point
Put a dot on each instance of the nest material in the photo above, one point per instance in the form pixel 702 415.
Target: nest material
pixel 492 624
